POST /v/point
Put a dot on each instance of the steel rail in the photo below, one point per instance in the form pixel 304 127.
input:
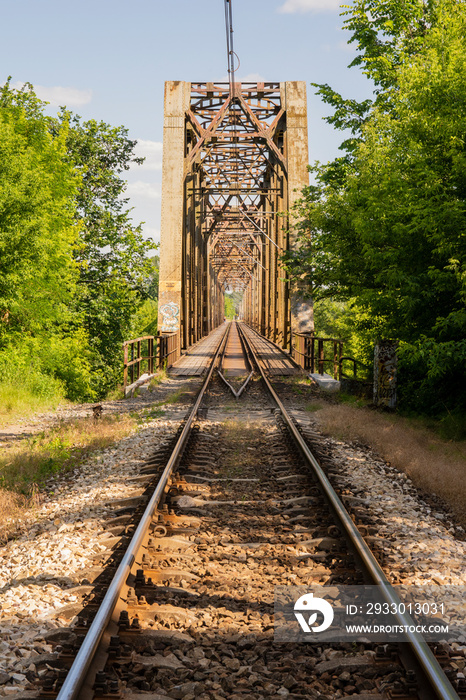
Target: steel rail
pixel 238 393
pixel 77 674
pixel 422 652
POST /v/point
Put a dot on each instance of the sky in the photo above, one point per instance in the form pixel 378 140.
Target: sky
pixel 108 60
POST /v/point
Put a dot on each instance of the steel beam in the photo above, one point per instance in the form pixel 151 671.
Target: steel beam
pixel 233 156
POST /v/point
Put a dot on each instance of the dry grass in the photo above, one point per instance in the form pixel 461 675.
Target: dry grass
pixel 241 439
pixel 160 376
pixel 25 467
pixel 12 508
pixel 435 466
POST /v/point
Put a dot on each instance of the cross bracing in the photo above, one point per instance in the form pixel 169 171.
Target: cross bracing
pixel 233 155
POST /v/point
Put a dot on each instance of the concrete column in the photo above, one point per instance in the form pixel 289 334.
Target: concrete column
pixel 177 99
pixel 385 373
pixel 294 100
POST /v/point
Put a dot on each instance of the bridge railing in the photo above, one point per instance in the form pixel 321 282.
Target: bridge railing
pixel 148 353
pixel 316 354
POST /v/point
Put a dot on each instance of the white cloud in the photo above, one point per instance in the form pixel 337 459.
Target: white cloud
pixel 66 96
pixel 144 190
pixel 301 6
pixel 252 78
pixel 59 96
pixel 152 152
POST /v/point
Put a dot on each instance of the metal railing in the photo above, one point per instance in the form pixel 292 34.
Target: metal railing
pixel 148 353
pixel 366 370
pixel 316 354
pixel 168 349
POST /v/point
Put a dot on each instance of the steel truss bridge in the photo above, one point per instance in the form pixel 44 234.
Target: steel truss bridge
pixel 235 158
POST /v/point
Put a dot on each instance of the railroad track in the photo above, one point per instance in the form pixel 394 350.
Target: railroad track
pixel 190 606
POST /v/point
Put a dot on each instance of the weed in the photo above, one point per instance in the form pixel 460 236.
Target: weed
pixel 155 413
pixel 116 394
pixel 176 397
pixel 352 400
pixel 452 426
pixel 160 376
pixel 434 465
pixel 17 401
pixel 147 415
pixel 29 463
pixel 311 407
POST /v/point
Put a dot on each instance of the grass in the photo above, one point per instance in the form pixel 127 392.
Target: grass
pixel 26 465
pixel 13 507
pixel 435 465
pixel 61 447
pixel 115 394
pixel 175 397
pixel 147 415
pixel 238 436
pixel 352 399
pixel 313 407
pixel 160 376
pixel 298 383
pixel 452 426
pixel 17 400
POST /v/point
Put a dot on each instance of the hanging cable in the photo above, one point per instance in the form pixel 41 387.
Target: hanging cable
pixel 230 52
pixel 234 117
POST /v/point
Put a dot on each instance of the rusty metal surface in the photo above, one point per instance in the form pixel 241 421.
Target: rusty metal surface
pixel 80 678
pixel 234 361
pixel 234 139
pixel 235 157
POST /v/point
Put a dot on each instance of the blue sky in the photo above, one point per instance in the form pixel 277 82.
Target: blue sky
pixel 108 59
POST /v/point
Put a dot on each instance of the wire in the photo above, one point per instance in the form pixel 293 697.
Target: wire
pixel 230 52
pixel 234 116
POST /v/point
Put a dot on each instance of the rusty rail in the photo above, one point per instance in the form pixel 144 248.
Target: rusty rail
pixel 310 353
pixel 148 353
pixel 78 684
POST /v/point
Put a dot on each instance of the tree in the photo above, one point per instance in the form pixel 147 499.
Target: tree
pixel 385 224
pixel 145 321
pixel 38 237
pixel 74 266
pixel 113 255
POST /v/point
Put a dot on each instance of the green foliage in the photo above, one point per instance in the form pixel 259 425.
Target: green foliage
pixel 232 302
pixel 42 348
pixel 384 31
pixel 115 273
pixel 37 233
pixel 24 386
pixel 345 321
pixel 74 270
pixel 230 311
pixel 145 318
pixel 385 226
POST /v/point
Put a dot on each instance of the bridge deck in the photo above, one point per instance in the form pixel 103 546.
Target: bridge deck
pixel 197 358
pixel 277 362
pixel 234 362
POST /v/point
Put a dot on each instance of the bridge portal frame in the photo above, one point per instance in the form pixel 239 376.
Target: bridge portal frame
pixel 234 162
